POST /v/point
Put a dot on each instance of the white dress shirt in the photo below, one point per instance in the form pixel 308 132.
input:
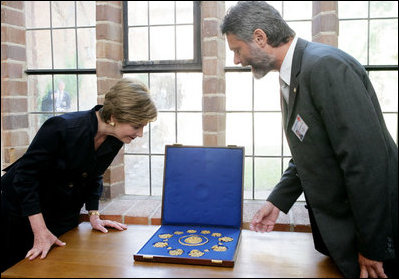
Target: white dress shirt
pixel 285 70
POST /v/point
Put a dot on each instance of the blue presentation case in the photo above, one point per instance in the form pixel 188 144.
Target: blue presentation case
pixel 202 205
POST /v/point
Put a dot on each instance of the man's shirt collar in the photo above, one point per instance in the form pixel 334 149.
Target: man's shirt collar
pixel 285 70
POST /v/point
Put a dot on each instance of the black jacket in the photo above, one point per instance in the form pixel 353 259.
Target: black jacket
pixel 60 171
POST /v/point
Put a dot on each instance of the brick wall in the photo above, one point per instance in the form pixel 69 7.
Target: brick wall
pixel 213 84
pixel 325 22
pixel 109 53
pixel 14 95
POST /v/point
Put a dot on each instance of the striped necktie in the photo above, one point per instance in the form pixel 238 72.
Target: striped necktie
pixel 285 90
pixel 284 93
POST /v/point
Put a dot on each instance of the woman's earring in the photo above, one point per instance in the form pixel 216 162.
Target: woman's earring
pixel 112 124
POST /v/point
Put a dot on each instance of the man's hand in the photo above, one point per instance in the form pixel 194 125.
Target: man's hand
pixel 370 268
pixel 265 218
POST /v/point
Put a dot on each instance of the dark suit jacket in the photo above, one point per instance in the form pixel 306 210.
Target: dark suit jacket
pixel 47 103
pixel 60 171
pixel 346 163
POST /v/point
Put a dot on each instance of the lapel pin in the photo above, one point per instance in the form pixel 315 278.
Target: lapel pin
pixel 294 89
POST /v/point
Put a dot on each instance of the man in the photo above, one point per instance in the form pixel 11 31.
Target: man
pixel 62 99
pixel 343 157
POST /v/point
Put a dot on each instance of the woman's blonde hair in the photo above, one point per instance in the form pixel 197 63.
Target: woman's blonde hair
pixel 129 101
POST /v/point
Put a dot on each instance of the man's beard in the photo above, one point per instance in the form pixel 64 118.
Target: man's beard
pixel 261 62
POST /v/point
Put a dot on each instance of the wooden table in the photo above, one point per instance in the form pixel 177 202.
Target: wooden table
pixel 93 254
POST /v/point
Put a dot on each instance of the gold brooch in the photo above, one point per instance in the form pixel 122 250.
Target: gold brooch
pixel 226 239
pixel 219 248
pixel 195 253
pixel 160 244
pixel 165 235
pixel 193 240
pixel 176 252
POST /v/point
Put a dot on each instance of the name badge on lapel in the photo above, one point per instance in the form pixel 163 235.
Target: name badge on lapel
pixel 299 128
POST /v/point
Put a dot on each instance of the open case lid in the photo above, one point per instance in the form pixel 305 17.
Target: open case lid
pixel 203 186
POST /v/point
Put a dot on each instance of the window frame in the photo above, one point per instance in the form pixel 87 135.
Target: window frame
pixel 159 66
pixel 56 71
pixel 375 67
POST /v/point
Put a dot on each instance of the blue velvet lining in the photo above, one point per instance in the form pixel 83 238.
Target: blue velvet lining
pixel 204 247
pixel 203 186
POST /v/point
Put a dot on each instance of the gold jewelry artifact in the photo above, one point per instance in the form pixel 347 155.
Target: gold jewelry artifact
pixel 191 231
pixel 219 248
pixel 226 239
pixel 165 235
pixel 160 244
pixel 217 234
pixel 176 252
pixel 193 240
pixel 178 232
pixel 195 253
pixel 205 232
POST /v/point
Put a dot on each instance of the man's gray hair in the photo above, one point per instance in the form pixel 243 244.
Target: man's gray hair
pixel 245 17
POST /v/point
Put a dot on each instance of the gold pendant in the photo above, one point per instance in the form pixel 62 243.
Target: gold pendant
pixel 195 253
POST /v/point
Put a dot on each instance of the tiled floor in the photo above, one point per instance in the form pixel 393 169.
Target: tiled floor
pixel 147 210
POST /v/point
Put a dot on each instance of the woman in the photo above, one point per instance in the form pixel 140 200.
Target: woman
pixel 43 192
